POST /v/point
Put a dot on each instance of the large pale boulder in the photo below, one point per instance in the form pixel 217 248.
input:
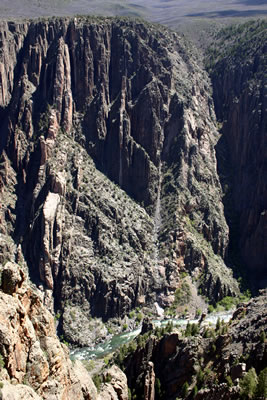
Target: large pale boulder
pixel 17 392
pixel 116 388
pixel 35 364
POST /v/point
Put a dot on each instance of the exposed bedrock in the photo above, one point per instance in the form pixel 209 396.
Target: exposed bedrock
pixel 177 362
pixel 239 82
pixel 105 123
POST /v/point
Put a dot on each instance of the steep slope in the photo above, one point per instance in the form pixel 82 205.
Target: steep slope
pixel 201 362
pixel 33 363
pixel 108 168
pixel 237 63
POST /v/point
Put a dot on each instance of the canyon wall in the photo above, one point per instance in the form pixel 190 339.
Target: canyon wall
pixel 238 71
pixel 204 362
pixel 108 175
pixel 110 197
pixel 34 364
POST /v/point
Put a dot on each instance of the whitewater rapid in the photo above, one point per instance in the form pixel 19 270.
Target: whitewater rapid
pixel 105 348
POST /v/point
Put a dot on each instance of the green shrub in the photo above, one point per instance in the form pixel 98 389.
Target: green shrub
pixel 139 317
pixel 229 381
pixel 188 330
pixel 185 389
pixel 132 346
pixel 262 384
pixel 218 324
pixel 108 378
pixel 57 316
pixel 206 333
pixel 195 329
pixel 169 327
pixel 182 294
pixel 106 360
pixel 213 348
pixel 89 364
pixel 224 329
pixel 158 389
pixel 2 363
pixel 110 330
pixel 129 394
pixel 228 302
pixel 97 381
pixel 262 337
pixel 198 312
pixel 195 390
pixel 210 308
pixel 157 332
pixel 249 384
pixel 191 329
pixel 200 378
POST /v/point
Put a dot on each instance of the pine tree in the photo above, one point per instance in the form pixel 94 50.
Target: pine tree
pixel 249 384
pixel 262 384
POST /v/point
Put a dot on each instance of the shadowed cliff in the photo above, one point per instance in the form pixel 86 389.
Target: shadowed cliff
pixel 237 63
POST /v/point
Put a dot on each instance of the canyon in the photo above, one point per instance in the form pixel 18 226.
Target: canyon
pixel 130 178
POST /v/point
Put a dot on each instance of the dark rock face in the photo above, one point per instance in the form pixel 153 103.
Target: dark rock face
pixel 106 123
pixel 203 361
pixel 239 82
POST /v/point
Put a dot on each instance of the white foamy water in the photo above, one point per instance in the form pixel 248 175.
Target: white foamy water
pixel 102 349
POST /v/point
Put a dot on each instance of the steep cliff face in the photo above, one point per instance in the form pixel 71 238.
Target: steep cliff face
pixel 34 364
pixel 204 363
pixel 238 69
pixel 108 169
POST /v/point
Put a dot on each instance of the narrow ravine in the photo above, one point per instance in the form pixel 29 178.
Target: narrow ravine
pixel 122 111
pixel 157 218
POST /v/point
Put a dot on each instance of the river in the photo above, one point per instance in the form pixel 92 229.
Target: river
pixel 103 349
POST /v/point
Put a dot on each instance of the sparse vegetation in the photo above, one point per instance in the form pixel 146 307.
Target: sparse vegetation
pixel 229 381
pixel 261 390
pixel 98 380
pixel 195 391
pixel 249 384
pixel 185 389
pixel 57 316
pixel 89 365
pixel 139 317
pixel 262 337
pixel 228 302
pixel 158 389
pixel 2 363
pixel 191 329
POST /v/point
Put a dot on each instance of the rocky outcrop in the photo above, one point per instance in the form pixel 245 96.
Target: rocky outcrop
pixel 115 386
pixel 209 363
pixel 34 364
pixel 107 121
pixel 238 76
pixel 149 385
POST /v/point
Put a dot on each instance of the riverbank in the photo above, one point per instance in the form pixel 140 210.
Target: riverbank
pixel 110 345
